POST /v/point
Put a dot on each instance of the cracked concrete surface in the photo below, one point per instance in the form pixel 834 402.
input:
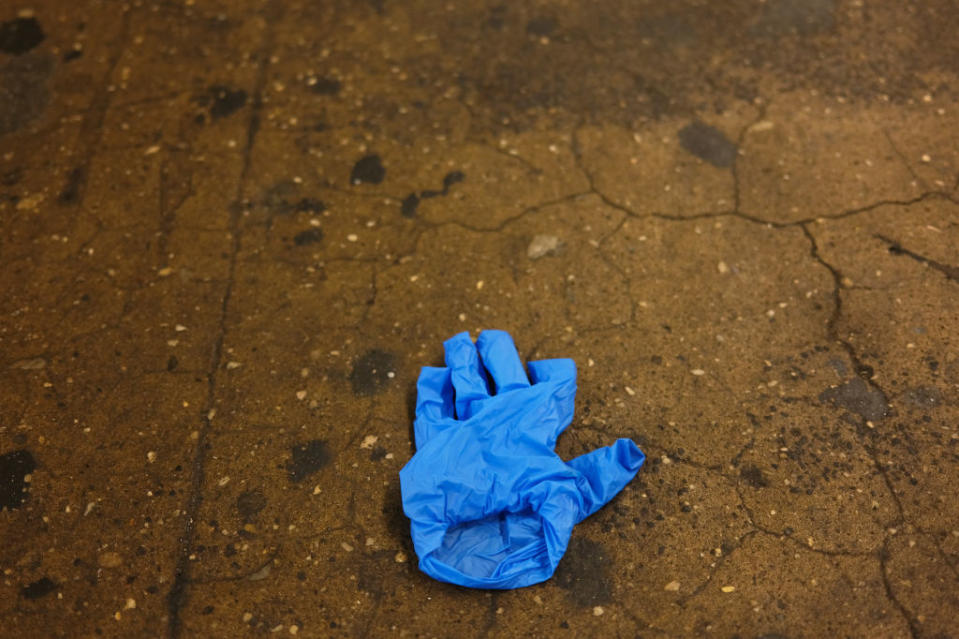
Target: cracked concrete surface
pixel 232 232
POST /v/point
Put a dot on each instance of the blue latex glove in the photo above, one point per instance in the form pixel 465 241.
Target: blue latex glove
pixel 491 504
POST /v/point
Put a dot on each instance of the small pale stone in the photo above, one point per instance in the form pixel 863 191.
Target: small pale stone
pixel 698 371
pixel 722 267
pixel 151 456
pixel 130 604
pixel 345 546
pixel 728 588
pixel 368 441
pixel 672 586
pixel 33 364
pixel 598 611
pixel 301 394
pixel 400 557
pixel 542 245
pixel 247 616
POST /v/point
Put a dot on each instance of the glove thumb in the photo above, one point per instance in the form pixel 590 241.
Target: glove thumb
pixel 606 471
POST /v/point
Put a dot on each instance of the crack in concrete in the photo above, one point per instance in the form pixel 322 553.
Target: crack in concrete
pixel 179 591
pixel 951 272
pixel 883 553
pixel 911 622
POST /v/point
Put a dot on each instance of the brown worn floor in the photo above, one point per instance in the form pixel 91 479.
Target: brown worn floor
pixel 232 231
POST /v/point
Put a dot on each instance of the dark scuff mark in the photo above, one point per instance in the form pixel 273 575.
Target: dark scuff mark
pixel 372 372
pixel 249 504
pixel 412 201
pixel 309 205
pixel 326 86
pixel 408 207
pixel 14 466
pixel 23 90
pixel 708 143
pixel 309 236
pixel 71 190
pixel 39 588
pixel 226 101
pixel 858 397
pixel 584 573
pixel 20 35
pixel 754 476
pixel 368 170
pixel 308 458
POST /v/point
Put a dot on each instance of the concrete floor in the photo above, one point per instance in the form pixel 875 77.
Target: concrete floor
pixel 232 231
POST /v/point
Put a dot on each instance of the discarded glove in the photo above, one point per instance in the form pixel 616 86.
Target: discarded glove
pixel 491 504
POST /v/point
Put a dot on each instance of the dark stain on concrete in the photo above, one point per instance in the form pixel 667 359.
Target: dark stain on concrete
pixel 309 205
pixel 368 170
pixel 307 237
pixel 20 35
pixel 13 467
pixel 409 205
pixel 225 101
pixel 326 86
pixel 71 190
pixel 371 372
pixel 584 573
pixel 249 503
pixel 412 201
pixel 708 143
pixel 451 178
pixel 858 397
pixel 754 476
pixel 23 90
pixel 39 588
pixel 802 17
pixel 924 396
pixel 308 458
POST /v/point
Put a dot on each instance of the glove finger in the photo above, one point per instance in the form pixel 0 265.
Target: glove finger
pixel 434 402
pixel 606 471
pixel 560 376
pixel 469 379
pixel 552 370
pixel 500 358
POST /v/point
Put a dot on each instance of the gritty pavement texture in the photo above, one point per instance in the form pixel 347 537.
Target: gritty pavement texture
pixel 232 231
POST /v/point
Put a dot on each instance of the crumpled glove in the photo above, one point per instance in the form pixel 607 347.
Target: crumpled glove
pixel 491 504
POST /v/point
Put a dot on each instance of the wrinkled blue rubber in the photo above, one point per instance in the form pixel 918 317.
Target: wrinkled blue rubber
pixel 491 504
